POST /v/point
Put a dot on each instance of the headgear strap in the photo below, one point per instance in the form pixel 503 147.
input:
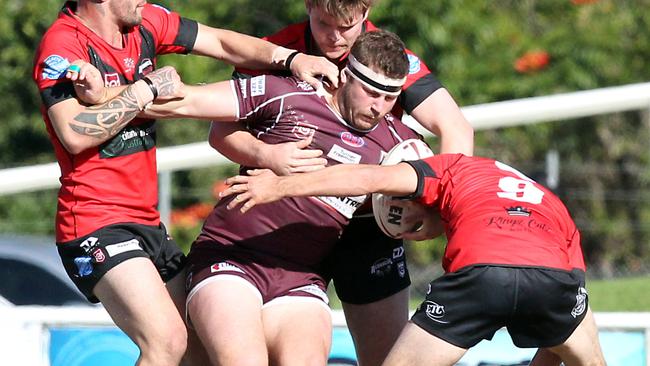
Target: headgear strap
pixel 373 80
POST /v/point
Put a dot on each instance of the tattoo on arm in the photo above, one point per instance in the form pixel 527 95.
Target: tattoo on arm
pixel 163 80
pixel 108 119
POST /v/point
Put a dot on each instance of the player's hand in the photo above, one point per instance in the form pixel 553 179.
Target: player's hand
pixel 87 81
pixel 167 82
pixel 311 68
pixel 425 221
pixel 293 157
pixel 260 186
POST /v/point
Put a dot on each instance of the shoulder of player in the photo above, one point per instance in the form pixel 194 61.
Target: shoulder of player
pixel 274 86
pixel 292 36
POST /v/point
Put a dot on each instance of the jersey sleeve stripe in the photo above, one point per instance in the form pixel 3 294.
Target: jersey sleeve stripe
pixel 57 93
pixel 417 92
pixel 187 32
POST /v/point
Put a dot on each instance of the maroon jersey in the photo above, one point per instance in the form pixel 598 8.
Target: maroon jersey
pixel 493 214
pixel 299 230
pixel 116 181
pixel 420 82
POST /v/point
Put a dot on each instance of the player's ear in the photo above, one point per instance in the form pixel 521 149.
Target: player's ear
pixel 343 77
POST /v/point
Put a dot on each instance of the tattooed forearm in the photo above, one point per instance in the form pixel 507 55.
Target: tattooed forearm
pixel 108 119
pixel 163 79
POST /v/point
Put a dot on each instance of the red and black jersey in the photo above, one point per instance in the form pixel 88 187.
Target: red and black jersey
pixel 420 82
pixel 301 230
pixel 116 181
pixel 493 214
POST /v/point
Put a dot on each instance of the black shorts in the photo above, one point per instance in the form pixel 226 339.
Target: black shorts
pixel 539 307
pixel 366 265
pixel 89 257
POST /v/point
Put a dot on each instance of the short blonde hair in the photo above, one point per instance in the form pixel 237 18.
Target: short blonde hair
pixel 341 9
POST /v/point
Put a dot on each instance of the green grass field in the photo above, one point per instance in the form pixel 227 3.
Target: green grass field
pixel 622 294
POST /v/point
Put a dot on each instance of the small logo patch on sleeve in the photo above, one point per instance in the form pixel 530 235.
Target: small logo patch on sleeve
pixel 55 67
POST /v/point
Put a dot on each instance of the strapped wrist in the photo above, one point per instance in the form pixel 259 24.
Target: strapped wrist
pixel 287 62
pixel 152 87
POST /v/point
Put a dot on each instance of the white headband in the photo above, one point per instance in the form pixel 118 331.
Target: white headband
pixel 373 80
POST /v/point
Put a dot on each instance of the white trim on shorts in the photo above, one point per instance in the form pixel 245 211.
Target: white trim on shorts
pixel 220 277
pixel 284 300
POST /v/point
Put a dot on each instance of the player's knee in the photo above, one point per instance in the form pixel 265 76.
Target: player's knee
pixel 166 345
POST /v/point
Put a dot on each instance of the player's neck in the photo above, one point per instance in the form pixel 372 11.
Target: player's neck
pixel 96 18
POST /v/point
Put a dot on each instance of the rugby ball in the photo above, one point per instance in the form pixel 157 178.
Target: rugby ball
pixel 389 212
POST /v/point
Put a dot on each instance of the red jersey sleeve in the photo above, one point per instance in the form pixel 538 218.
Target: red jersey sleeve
pixel 172 33
pixel 431 174
pixel 56 51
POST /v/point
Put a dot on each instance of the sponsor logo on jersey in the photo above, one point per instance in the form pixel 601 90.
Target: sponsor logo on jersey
pixel 242 88
pixel 314 290
pixel 123 247
pixel 145 67
pixel 258 85
pixel 303 130
pixel 131 140
pixel 381 267
pixel 346 206
pixel 84 266
pixel 518 211
pixel 111 80
pixel 55 67
pixel 414 64
pixel 581 303
pixel 343 155
pixel 434 311
pixel 303 85
pixel 129 63
pixel 225 266
pixel 516 224
pixel 351 139
pixel 99 255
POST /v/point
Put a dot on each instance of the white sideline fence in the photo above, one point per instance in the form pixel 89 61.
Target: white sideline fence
pixel 22 329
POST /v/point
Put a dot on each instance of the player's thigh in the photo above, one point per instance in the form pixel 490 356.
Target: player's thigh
pixel 225 311
pixel 298 330
pixel 136 298
pixel 583 346
pixel 416 346
pixel 375 326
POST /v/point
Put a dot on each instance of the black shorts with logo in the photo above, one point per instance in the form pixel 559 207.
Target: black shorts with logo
pixel 540 307
pixel 89 257
pixel 366 265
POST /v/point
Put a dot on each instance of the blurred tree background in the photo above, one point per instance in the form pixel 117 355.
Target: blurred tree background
pixel 483 51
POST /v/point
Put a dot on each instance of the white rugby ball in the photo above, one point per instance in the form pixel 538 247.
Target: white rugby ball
pixel 389 212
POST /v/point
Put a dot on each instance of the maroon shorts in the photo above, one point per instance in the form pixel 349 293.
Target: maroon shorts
pixel 271 276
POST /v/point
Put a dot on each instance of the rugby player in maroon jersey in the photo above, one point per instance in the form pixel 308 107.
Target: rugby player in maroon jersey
pixel 513 257
pixel 259 279
pixel 108 229
pixel 370 280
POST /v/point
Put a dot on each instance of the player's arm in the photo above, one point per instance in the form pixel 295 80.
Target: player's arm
pixel 262 186
pixel 251 52
pixel 214 101
pixel 80 126
pixel 440 114
pixel 233 141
